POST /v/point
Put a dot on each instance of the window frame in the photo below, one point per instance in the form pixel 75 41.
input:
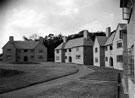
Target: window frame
pixel 40 57
pixel 70 50
pixel 96 50
pixel 119 45
pixel 96 59
pixel 25 50
pixel 119 58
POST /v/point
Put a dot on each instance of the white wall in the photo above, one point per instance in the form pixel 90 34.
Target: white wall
pixel 73 54
pixel 108 53
pixel 96 55
pixel 117 51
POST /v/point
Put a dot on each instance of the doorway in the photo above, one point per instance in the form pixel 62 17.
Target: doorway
pixel 70 59
pixel 111 61
pixel 25 58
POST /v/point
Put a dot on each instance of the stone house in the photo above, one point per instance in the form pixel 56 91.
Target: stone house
pixel 128 13
pixel 99 51
pixel 24 51
pixel 60 52
pixel 79 51
pixel 114 47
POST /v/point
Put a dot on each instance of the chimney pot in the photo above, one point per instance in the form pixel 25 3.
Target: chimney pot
pixel 64 39
pixel 108 31
pixel 41 39
pixel 85 34
pixel 11 38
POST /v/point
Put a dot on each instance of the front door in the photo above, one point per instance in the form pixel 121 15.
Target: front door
pixel 111 61
pixel 70 59
pixel 25 58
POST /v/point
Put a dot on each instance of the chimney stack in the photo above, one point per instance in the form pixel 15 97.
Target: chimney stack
pixel 41 39
pixel 85 34
pixel 11 38
pixel 64 39
pixel 108 31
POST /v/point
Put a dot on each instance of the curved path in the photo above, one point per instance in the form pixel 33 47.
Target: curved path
pixel 23 93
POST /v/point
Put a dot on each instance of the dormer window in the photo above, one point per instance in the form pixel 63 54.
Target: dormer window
pixel 96 50
pixel 57 51
pixel 40 50
pixel 9 50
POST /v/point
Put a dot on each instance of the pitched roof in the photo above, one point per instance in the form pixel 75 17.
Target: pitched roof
pixel 61 46
pixel 124 27
pixel 110 39
pixel 25 44
pixel 121 25
pixel 79 42
pixel 102 40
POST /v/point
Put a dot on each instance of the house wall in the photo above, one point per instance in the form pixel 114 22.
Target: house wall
pixel 76 53
pixel 37 53
pixel 20 54
pixel 108 54
pixel 88 55
pixel 96 55
pixel 60 55
pixel 11 53
pixel 117 51
pixel 73 54
pixel 131 41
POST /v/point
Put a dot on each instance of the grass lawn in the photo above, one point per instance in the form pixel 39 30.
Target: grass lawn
pixel 80 89
pixel 85 88
pixel 15 77
pixel 103 74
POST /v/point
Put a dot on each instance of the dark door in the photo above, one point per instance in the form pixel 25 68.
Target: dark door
pixel 111 61
pixel 25 58
pixel 70 59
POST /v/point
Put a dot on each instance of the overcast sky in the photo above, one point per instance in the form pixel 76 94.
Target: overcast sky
pixel 26 17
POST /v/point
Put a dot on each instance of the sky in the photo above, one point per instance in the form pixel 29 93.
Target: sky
pixel 20 18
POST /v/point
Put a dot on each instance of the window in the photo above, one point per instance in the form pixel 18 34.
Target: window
pixel 96 50
pixel 65 57
pixel 9 50
pixel 77 48
pixel 106 48
pixel 106 58
pixel 18 50
pixel 32 57
pixel 32 50
pixel 78 56
pixel 69 50
pixel 119 45
pixel 65 50
pixel 25 50
pixel 40 50
pixel 57 57
pixel 96 60
pixel 121 34
pixel 8 56
pixel 40 57
pixel 111 47
pixel 57 51
pixel 119 58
